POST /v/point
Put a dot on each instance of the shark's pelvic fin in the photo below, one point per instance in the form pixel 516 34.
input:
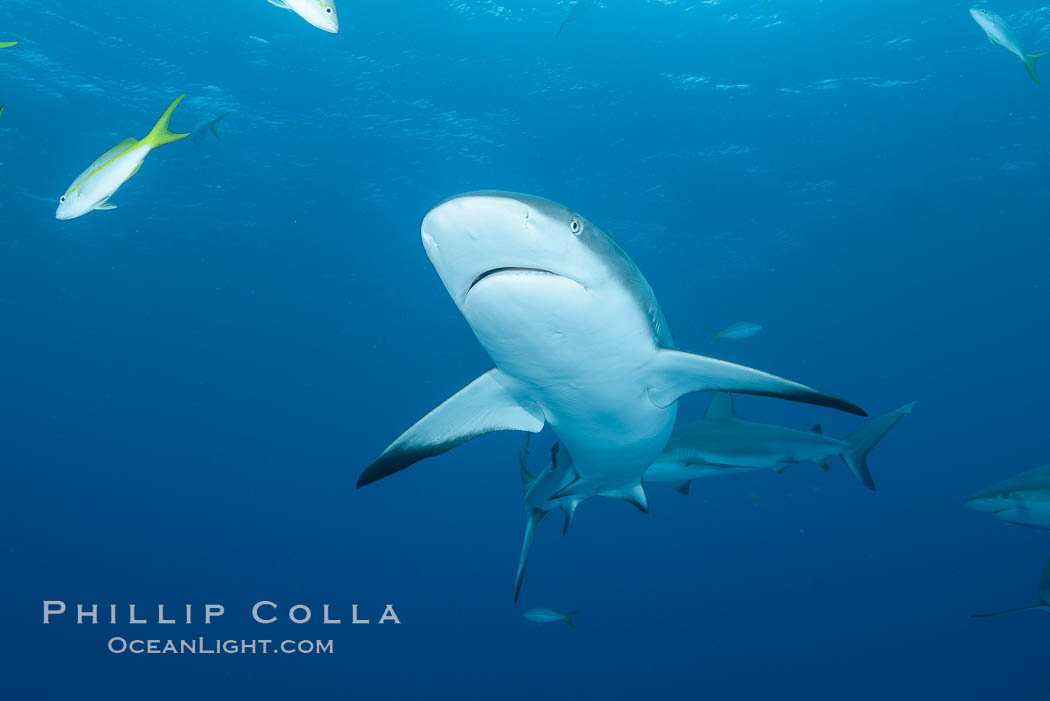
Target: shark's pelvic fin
pixel 824 464
pixel 864 439
pixel 817 428
pixel 483 406
pixel 720 408
pixel 632 495
pixel 676 373
pixel 566 491
pixel 532 520
pixel 683 487
pixel 1000 613
pixel 570 512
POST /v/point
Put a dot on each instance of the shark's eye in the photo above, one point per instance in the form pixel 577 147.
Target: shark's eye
pixel 574 226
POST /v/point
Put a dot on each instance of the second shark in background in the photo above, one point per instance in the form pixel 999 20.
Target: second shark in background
pixel 720 443
pixel 1022 500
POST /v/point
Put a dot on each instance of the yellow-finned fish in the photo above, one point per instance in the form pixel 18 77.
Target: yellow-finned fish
pixel 320 13
pixel 112 169
pixel 7 44
pixel 1002 34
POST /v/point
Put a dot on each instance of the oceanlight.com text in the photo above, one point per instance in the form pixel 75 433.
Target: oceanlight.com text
pixel 213 646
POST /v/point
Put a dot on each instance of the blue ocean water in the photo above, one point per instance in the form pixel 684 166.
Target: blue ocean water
pixel 191 384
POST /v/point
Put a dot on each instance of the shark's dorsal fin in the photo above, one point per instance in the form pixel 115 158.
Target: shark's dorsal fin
pixel 675 374
pixel 817 428
pixel 523 461
pixel 720 408
pixel 483 406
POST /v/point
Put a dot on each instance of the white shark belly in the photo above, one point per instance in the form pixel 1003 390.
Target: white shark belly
pixel 583 358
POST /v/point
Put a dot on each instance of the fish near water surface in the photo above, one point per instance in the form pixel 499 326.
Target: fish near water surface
pixel 319 13
pixel 93 188
pixel 1000 33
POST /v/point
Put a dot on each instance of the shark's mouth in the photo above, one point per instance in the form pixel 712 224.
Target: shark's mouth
pixel 500 271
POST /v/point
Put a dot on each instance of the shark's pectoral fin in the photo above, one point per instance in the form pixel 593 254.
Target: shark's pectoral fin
pixel 483 406
pixel 632 495
pixel 534 518
pixel 1000 613
pixel 683 487
pixel 675 374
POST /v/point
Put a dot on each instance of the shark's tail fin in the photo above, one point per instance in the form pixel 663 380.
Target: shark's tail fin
pixel 1029 63
pixel 568 618
pixel 534 517
pixel 863 440
pixel 1000 613
pixel 213 125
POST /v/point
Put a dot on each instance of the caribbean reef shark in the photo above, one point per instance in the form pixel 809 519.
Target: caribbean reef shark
pixel 1022 500
pixel 720 442
pixel 579 343
pixel 1044 598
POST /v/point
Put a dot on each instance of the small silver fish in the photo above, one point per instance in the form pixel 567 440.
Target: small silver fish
pixel 548 616
pixel 741 329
